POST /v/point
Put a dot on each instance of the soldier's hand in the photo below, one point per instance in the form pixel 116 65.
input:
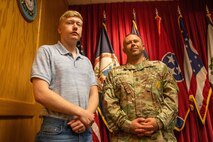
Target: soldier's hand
pixel 136 125
pixel 153 122
pixel 146 130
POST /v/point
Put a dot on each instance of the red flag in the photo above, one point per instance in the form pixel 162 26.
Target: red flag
pixel 166 55
pixel 196 76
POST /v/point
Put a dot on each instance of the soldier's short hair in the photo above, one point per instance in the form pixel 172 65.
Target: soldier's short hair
pixel 132 34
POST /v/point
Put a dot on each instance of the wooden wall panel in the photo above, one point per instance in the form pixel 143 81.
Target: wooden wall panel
pixel 17 49
pixel 19 41
pixel 49 21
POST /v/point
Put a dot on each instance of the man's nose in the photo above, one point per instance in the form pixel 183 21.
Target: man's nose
pixel 132 43
pixel 75 26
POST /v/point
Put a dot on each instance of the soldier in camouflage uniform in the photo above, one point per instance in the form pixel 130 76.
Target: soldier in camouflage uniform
pixel 140 98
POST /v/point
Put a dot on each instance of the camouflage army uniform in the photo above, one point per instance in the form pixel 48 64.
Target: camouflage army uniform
pixel 144 90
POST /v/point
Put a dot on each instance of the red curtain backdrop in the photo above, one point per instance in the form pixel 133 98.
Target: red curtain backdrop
pixel 119 23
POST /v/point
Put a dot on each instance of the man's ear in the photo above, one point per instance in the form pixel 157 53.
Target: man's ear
pixel 59 30
pixel 143 48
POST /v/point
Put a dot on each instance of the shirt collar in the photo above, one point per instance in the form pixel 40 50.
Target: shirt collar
pixel 63 51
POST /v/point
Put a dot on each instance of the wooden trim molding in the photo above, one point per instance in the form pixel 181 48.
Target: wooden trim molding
pixel 18 108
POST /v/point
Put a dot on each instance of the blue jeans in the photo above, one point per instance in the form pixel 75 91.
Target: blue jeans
pixel 57 130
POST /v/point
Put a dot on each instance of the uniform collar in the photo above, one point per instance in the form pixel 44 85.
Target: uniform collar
pixel 142 65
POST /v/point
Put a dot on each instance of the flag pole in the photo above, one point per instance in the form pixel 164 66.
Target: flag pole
pixel 104 22
pixel 133 13
pixel 104 15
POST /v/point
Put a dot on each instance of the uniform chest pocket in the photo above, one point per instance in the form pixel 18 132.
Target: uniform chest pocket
pixel 155 91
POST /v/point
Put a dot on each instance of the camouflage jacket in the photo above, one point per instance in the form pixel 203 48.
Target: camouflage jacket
pixel 144 90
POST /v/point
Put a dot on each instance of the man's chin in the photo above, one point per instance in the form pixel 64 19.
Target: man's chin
pixel 136 53
pixel 75 38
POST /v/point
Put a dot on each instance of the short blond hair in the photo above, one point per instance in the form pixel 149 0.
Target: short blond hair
pixel 70 13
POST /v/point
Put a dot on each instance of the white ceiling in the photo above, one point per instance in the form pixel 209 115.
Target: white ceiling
pixel 81 2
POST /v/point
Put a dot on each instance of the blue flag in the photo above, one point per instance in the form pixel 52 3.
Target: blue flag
pixel 135 31
pixel 104 62
pixel 105 58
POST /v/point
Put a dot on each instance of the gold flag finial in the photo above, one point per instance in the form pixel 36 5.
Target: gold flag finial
pixel 158 18
pixel 207 10
pixel 134 14
pixel 156 12
pixel 208 14
pixel 179 12
pixel 104 14
pixel 104 22
pixel 179 17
